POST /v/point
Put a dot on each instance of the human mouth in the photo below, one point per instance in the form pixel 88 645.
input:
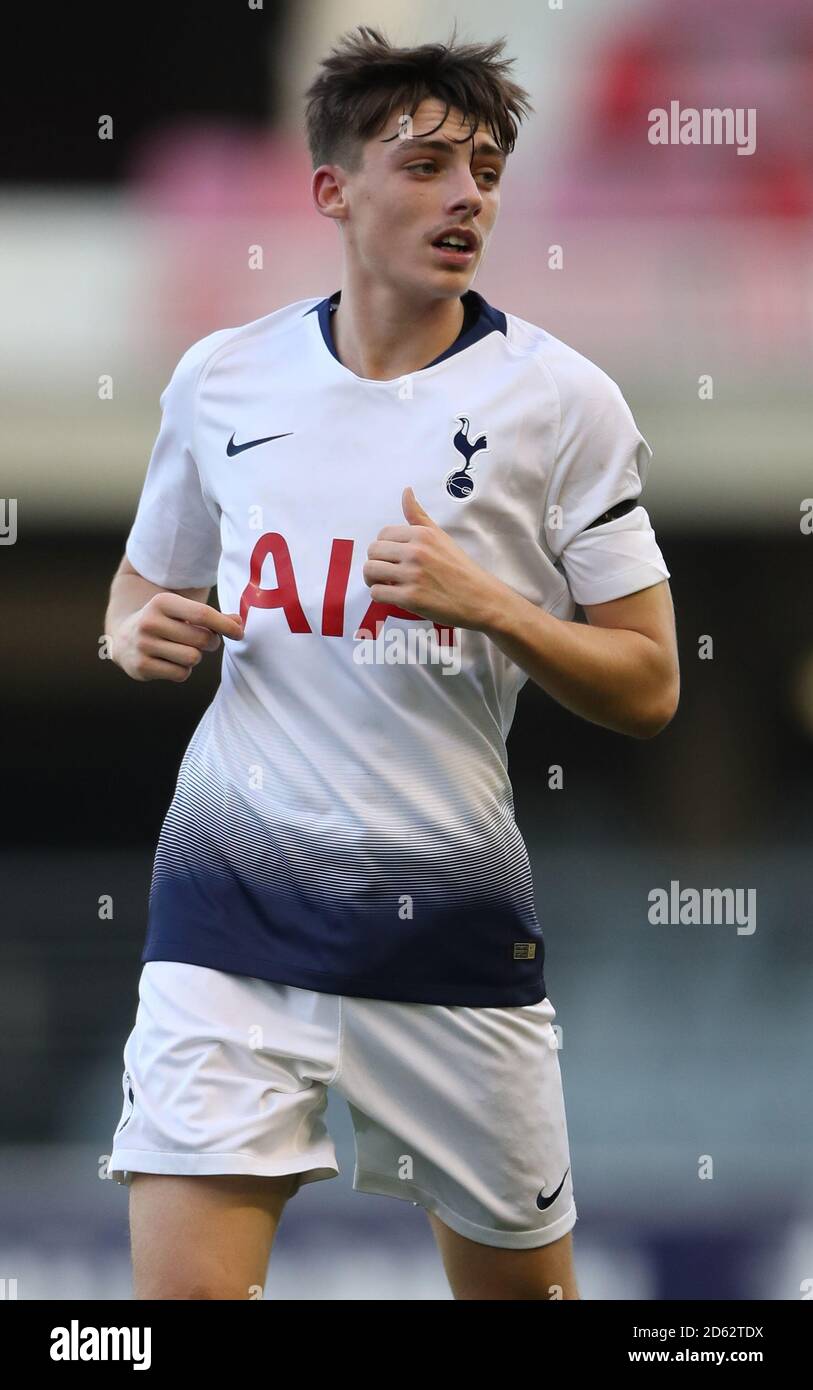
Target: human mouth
pixel 453 257
pixel 457 247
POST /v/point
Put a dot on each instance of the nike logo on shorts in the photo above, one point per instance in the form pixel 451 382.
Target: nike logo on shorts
pixel 544 1202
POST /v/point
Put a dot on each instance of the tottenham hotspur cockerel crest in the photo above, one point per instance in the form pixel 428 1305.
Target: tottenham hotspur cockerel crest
pixel 461 483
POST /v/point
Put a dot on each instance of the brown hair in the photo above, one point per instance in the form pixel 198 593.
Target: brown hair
pixel 364 78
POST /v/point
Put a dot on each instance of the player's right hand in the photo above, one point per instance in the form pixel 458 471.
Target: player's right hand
pixel 167 638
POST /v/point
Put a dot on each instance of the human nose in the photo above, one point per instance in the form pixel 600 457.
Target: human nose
pixel 464 193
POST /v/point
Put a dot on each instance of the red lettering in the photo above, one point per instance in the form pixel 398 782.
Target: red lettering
pixel 285 595
pixel 377 614
pixel 338 574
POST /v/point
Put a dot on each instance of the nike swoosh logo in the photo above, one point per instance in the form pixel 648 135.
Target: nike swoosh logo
pixel 232 448
pixel 544 1202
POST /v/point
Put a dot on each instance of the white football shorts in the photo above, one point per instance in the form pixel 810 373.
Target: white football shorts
pixel 454 1108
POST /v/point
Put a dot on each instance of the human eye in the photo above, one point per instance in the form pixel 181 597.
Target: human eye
pixel 490 174
pixel 424 164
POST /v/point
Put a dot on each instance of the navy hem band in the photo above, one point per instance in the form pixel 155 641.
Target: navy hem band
pixel 475 996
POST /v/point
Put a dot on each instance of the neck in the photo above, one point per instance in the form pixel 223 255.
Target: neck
pixel 382 334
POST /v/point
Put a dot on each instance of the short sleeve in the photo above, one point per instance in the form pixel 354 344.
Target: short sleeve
pixel 601 459
pixel 175 537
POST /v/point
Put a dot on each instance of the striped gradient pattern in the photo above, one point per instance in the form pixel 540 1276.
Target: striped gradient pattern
pixel 434 917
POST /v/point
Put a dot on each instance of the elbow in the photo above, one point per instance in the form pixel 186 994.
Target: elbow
pixel 660 713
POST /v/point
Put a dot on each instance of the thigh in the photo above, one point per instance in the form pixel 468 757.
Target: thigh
pixel 204 1237
pixel 478 1271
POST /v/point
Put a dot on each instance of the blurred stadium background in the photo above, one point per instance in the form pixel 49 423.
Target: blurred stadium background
pixel 679 262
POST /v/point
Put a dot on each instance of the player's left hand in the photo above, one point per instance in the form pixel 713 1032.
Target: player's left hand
pixel 419 567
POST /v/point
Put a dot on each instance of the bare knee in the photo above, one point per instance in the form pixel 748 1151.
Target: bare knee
pixel 477 1271
pixel 194 1288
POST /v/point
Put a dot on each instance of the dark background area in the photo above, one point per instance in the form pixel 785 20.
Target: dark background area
pixel 147 66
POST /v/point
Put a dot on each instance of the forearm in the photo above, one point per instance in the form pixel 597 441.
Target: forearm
pixel 156 633
pixel 610 676
pixel 128 593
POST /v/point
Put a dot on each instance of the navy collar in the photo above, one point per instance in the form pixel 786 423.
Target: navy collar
pixel 479 320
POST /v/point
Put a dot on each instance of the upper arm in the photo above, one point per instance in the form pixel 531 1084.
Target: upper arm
pixel 651 612
pixel 174 541
pixel 199 595
pixel 594 527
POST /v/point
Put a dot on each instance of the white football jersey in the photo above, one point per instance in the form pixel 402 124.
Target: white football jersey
pixel 343 818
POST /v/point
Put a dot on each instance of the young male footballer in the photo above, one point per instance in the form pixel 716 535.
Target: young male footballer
pixel 341 896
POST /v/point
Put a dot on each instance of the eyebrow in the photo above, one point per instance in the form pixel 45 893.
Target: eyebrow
pixel 446 146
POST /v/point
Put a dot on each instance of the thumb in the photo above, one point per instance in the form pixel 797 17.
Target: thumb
pixel 413 511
